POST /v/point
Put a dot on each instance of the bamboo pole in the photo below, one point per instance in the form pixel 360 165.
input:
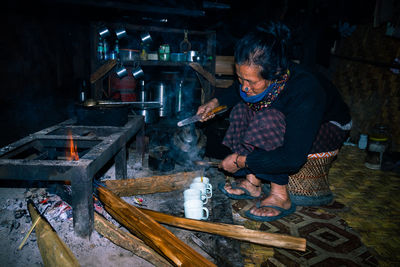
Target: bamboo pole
pixel 233 231
pixel 128 241
pixel 151 232
pixel 150 185
pixel 53 250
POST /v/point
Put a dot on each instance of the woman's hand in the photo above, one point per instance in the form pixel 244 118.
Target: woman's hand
pixel 204 109
pixel 233 163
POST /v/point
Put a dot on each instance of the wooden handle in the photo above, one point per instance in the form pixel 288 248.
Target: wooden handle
pixel 217 109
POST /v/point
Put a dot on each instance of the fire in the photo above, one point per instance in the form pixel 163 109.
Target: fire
pixel 72 151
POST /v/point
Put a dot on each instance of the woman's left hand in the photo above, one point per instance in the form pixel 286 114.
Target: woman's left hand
pixel 229 165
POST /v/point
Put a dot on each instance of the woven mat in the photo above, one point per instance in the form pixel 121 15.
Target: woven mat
pixel 373 198
pixel 330 241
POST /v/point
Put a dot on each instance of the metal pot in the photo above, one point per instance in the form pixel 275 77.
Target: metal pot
pixel 102 115
pixel 191 56
pixel 150 114
pixel 160 159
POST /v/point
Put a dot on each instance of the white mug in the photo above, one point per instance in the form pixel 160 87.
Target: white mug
pixel 194 210
pixel 205 181
pixel 192 193
pixel 206 191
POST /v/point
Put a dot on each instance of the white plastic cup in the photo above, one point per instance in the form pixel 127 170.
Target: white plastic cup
pixel 190 194
pixel 194 210
pixel 206 181
pixel 206 191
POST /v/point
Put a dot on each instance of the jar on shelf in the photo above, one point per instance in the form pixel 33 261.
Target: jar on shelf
pixel 378 143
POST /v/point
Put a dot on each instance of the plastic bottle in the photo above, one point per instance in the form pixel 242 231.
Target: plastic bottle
pixel 100 51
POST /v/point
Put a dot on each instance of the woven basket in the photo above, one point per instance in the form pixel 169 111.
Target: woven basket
pixel 310 186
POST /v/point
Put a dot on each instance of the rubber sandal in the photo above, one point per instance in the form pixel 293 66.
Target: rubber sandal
pixel 283 213
pixel 246 194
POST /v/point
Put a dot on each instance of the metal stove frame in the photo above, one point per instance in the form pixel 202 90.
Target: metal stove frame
pixel 80 172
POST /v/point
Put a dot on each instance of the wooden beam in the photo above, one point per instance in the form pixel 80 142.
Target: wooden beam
pixel 150 185
pixel 207 75
pixel 128 241
pixel 53 250
pixel 102 70
pixel 151 232
pixel 233 231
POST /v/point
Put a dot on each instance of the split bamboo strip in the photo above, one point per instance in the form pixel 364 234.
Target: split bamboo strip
pixel 150 185
pixel 127 241
pixel 151 232
pixel 53 250
pixel 233 231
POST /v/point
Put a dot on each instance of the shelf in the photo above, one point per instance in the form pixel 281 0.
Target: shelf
pixel 161 63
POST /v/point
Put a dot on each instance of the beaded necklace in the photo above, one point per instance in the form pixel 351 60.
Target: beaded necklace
pixel 267 101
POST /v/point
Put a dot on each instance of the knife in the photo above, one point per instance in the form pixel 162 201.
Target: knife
pixel 195 118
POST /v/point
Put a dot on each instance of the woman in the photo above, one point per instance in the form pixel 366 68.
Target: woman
pixel 284 113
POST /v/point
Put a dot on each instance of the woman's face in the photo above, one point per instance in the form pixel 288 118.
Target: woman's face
pixel 250 78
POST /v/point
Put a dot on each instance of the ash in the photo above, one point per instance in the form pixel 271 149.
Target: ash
pixel 97 250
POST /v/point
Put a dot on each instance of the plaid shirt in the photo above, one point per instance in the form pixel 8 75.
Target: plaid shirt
pixel 248 129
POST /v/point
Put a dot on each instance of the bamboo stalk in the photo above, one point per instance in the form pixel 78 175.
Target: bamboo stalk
pixel 233 231
pixel 127 241
pixel 151 232
pixel 53 250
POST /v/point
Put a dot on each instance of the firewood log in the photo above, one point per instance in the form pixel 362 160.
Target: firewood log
pixel 152 233
pixel 127 241
pixel 53 250
pixel 229 230
pixel 150 185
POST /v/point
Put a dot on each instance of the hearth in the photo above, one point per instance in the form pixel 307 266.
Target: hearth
pixel 42 156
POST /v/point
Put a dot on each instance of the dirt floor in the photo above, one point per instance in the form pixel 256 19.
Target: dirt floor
pixel 15 222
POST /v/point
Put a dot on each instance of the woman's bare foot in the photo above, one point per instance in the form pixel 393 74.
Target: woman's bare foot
pixel 278 196
pixel 251 183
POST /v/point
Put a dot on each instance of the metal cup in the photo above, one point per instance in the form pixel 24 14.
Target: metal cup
pixel 121 72
pixel 104 32
pixel 137 73
pixel 120 33
pixel 146 38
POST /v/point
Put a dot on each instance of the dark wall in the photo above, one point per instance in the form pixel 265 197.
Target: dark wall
pixel 44 54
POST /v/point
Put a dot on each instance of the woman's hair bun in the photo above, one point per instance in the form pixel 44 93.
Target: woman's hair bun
pixel 279 30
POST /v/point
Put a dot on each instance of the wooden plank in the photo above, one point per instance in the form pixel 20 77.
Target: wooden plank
pixel 224 65
pixel 127 241
pixel 151 232
pixel 150 185
pixel 53 250
pixel 207 75
pixel 233 231
pixel 102 70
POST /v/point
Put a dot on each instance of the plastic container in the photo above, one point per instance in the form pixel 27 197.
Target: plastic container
pixel 378 143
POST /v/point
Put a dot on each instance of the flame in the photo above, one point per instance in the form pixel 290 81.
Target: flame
pixel 72 151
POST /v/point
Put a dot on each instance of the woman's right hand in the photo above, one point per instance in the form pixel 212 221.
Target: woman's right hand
pixel 206 108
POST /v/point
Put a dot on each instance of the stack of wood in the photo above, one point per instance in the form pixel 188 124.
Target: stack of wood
pixel 155 243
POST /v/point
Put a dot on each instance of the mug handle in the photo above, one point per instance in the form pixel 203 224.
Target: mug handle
pixel 206 216
pixel 204 198
pixel 208 192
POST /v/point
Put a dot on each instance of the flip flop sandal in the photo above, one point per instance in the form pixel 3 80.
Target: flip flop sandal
pixel 234 185
pixel 283 213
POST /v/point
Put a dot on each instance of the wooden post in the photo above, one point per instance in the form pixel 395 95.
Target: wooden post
pixel 233 231
pixel 128 241
pixel 151 232
pixel 53 250
pixel 150 185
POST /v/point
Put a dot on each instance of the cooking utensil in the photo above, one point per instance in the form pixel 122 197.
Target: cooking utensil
pixel 192 56
pixel 203 163
pixel 185 45
pixel 195 118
